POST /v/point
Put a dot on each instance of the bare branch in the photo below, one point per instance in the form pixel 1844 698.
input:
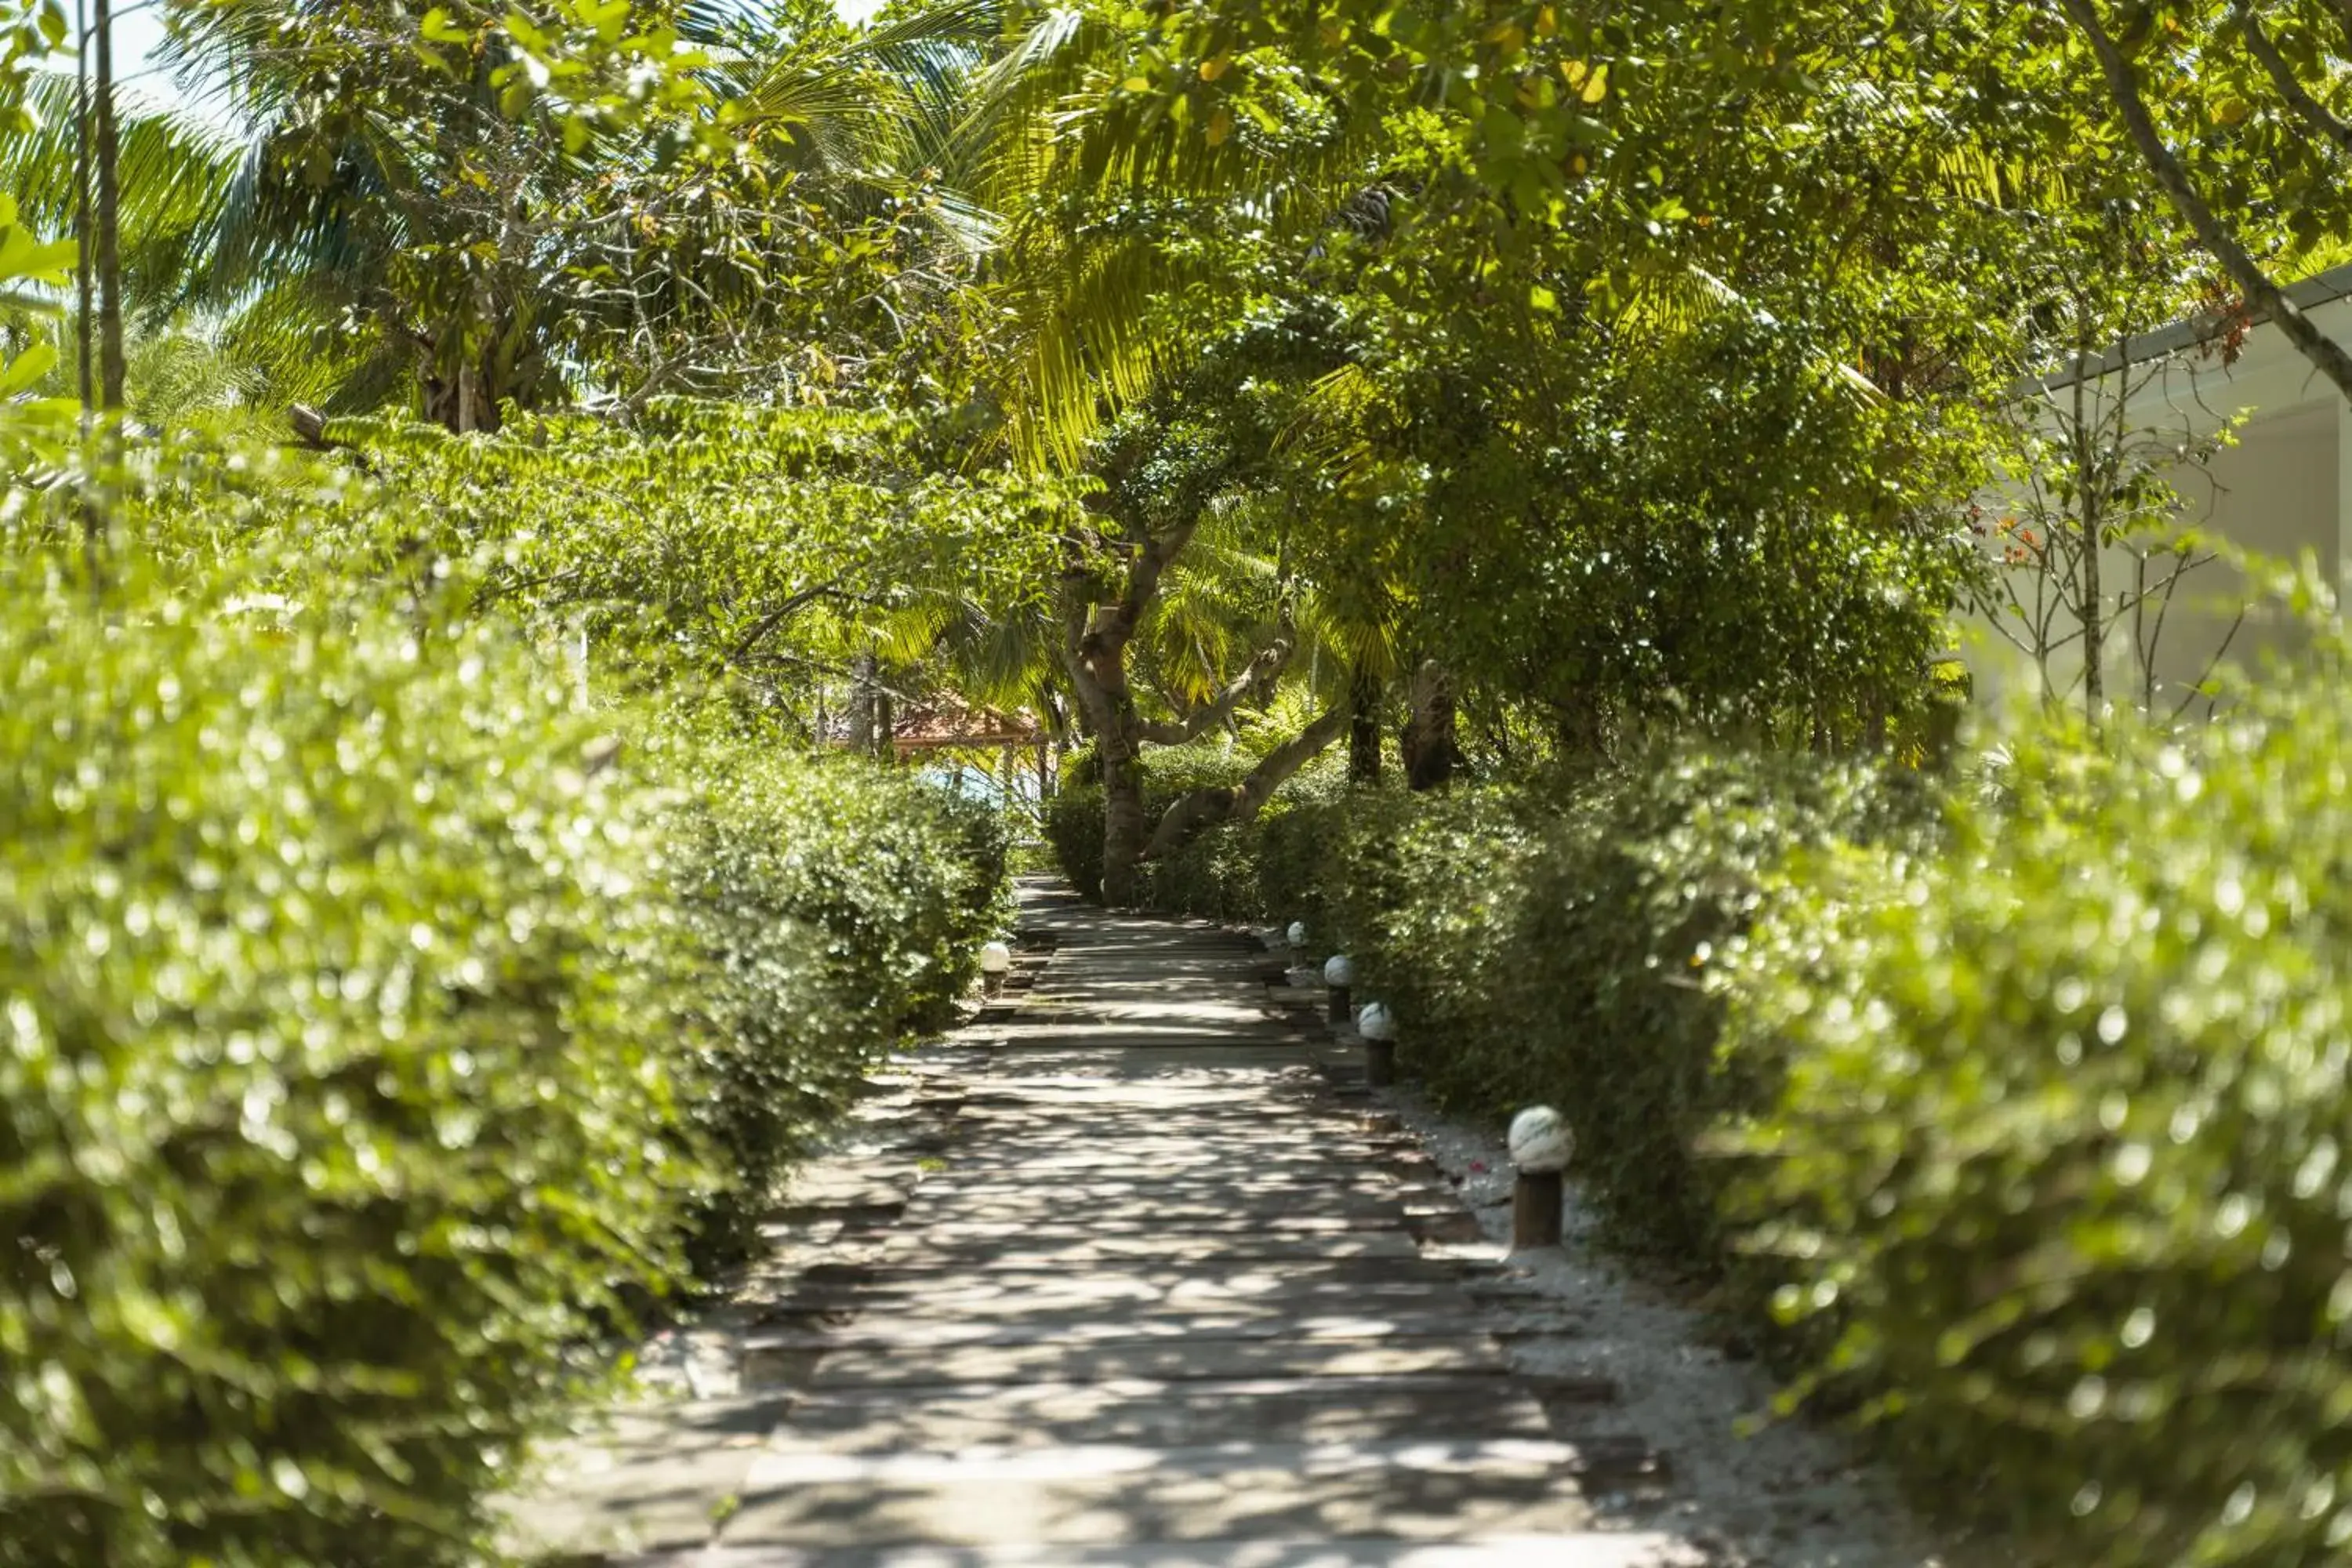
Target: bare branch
pixel 2198 689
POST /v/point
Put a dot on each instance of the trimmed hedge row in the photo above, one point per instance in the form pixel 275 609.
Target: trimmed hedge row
pixel 832 910
pixel 2059 1167
pixel 2017 1116
pixel 374 1046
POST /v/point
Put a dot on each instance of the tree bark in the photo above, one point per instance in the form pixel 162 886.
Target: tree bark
pixel 109 218
pixel 2091 485
pixel 1259 672
pixel 1364 692
pixel 1205 808
pixel 1095 638
pixel 865 704
pixel 1583 730
pixel 1427 741
pixel 2298 97
pixel 1124 825
pixel 85 284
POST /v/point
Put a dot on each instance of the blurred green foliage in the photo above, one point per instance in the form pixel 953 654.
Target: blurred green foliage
pixel 831 911
pixel 386 1028
pixel 337 1091
pixel 2058 1165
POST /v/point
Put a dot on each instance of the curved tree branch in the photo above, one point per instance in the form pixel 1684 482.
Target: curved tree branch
pixel 1204 808
pixel 1218 709
pixel 2261 292
pixel 2298 97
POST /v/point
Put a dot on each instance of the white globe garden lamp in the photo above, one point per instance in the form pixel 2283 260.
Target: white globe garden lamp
pixel 995 963
pixel 1377 1024
pixel 1338 975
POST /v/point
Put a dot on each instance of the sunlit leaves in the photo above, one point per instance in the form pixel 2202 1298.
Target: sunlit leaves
pixel 2058 1165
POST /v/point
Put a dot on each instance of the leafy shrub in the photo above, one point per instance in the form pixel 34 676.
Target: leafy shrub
pixel 1547 943
pixel 2060 1157
pixel 1074 830
pixel 1300 843
pixel 980 844
pixel 832 908
pixel 374 1040
pixel 334 1109
pixel 1213 876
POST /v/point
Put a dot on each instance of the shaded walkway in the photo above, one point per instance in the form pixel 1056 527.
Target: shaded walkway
pixel 1122 1274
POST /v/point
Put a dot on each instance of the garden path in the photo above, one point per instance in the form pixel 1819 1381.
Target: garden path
pixel 1129 1271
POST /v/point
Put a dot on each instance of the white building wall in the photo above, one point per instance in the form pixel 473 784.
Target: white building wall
pixel 2284 488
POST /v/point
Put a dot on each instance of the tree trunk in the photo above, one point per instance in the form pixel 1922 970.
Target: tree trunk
pixel 462 403
pixel 865 694
pixel 85 284
pixel 1584 728
pixel 1124 825
pixel 1364 693
pixel 2089 481
pixel 110 219
pixel 1093 651
pixel 1204 808
pixel 1427 741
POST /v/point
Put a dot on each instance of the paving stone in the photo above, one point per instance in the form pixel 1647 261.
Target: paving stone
pixel 1108 1495
pixel 1164 1360
pixel 1581 1549
pixel 907 1333
pixel 1136 1411
pixel 1120 1276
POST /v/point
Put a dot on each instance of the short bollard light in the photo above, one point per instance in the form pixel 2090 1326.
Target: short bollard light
pixel 1540 1145
pixel 1378 1025
pixel 1297 935
pixel 995 963
pixel 1338 975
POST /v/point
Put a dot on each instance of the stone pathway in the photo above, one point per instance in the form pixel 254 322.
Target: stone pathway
pixel 1127 1272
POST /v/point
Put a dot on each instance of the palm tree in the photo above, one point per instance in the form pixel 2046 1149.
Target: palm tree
pixel 420 227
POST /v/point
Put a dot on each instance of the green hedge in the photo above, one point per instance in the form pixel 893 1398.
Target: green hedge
pixel 2062 1158
pixel 834 909
pixel 375 1043
pixel 2023 1113
pixel 1546 943
pixel 334 1113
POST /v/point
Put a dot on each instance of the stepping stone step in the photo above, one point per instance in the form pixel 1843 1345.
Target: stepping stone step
pixel 1168 1271
pixel 1118 1494
pixel 1126 1296
pixel 912 1334
pixel 1581 1549
pixel 1171 1414
pixel 1182 1361
pixel 1022 1248
pixel 1142 1208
